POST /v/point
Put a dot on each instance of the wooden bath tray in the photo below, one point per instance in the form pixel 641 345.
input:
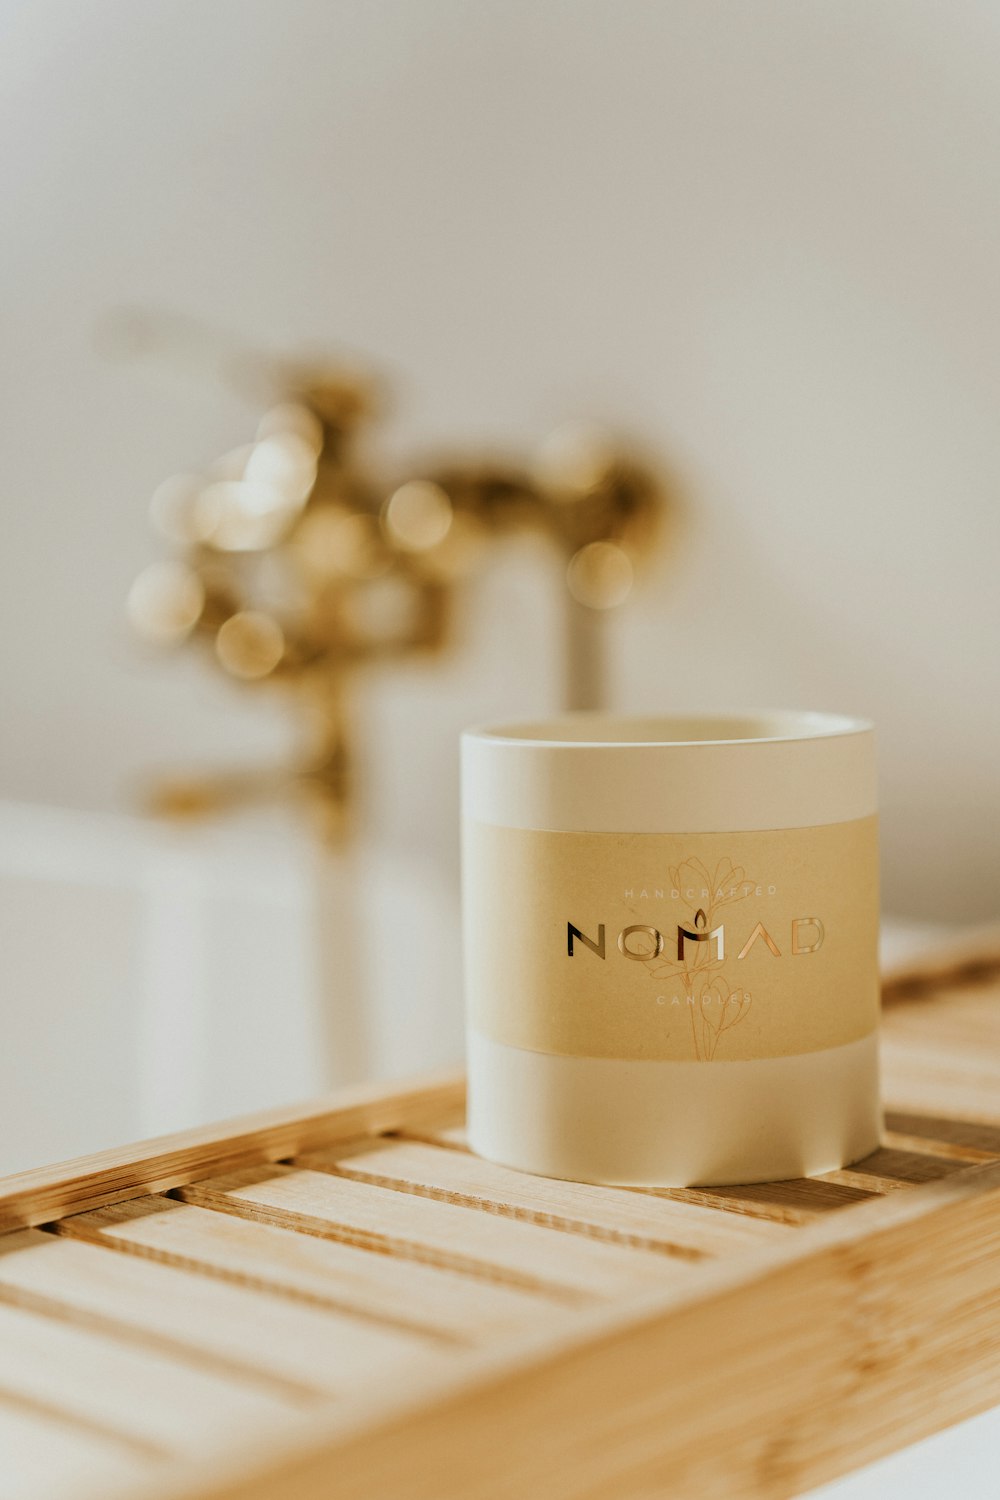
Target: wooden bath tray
pixel 345 1303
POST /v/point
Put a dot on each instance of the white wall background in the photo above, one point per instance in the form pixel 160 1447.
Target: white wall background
pixel 765 237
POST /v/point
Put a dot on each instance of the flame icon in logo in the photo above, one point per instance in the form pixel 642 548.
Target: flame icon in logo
pixel 701 933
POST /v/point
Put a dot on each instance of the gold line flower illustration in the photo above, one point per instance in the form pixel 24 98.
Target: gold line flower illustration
pixel 713 1005
pixel 721 1008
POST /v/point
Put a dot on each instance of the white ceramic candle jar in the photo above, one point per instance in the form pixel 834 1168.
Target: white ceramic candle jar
pixel 671 946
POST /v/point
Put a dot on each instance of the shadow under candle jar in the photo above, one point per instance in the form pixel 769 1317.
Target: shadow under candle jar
pixel 670 930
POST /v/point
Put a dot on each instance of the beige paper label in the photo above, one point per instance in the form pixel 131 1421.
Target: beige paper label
pixel 704 947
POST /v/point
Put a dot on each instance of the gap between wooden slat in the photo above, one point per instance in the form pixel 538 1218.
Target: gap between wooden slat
pixel 968 1155
pixel 871 1183
pixel 906 1162
pixel 801 1200
pixel 450 1137
pixel 77 1227
pixel 685 1232
pixel 891 1170
pixel 503 1210
pixel 311 1352
pixel 64 1312
pixel 794 1202
pixel 379 1244
pixel 143 1447
pixel 941 1134
pixel 461 1311
pixel 527 1257
pixel 43 1458
pixel 134 1391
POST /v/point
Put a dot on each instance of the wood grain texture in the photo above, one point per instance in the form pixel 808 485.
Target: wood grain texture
pixel 441 1309
pixel 965 1140
pixel 872 1329
pixel 621 1216
pixel 149 1399
pixel 298 1353
pixel 561 1267
pixel 352 1305
pixel 795 1201
pixel 893 1167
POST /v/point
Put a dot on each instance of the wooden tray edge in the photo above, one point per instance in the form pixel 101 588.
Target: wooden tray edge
pixel 45 1193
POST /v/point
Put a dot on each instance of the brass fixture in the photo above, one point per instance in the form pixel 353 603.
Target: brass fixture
pixel 296 564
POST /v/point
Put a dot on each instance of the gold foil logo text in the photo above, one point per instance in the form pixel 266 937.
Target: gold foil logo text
pixel 807 936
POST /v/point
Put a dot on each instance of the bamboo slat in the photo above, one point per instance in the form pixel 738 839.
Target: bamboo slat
pixel 342 1301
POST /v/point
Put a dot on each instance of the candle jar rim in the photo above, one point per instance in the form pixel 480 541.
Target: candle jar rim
pixel 589 730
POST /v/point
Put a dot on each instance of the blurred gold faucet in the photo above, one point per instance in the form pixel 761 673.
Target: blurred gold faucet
pixel 295 564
